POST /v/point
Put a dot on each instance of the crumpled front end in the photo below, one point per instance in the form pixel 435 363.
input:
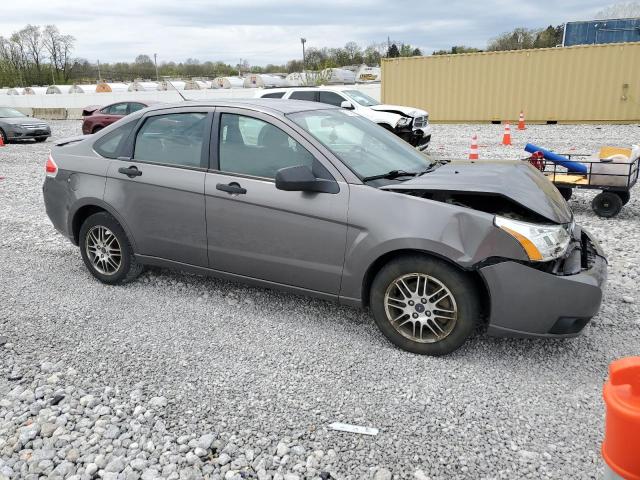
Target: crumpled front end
pixel 550 299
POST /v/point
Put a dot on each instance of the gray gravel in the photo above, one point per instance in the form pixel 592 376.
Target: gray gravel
pixel 178 376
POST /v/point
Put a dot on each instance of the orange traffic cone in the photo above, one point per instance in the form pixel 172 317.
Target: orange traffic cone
pixel 473 152
pixel 622 399
pixel 506 138
pixel 2 141
pixel 521 125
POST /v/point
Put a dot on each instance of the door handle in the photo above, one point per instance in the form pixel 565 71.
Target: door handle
pixel 130 172
pixel 232 187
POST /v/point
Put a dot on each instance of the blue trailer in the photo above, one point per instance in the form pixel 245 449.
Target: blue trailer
pixel 601 31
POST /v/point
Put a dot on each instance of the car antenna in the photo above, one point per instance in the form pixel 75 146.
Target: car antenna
pixel 179 92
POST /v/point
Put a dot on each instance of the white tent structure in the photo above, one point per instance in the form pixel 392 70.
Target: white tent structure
pixel 35 90
pixel 367 74
pixel 172 85
pixel 15 91
pixel 58 89
pixel 111 87
pixel 229 82
pixel 83 89
pixel 204 84
pixel 139 86
pixel 338 76
pixel 297 79
pixel 262 80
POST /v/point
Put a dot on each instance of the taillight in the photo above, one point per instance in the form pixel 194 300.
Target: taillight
pixel 50 167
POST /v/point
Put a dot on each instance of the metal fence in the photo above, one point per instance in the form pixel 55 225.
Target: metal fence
pixel 591 83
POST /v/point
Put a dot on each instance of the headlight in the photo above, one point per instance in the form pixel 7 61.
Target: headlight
pixel 541 242
pixel 404 121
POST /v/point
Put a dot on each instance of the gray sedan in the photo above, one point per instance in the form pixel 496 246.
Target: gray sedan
pixel 15 125
pixel 319 201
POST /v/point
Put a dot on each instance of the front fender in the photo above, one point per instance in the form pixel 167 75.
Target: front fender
pixel 380 224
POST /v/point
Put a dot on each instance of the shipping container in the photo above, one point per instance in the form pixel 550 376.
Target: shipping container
pixel 602 31
pixel 593 83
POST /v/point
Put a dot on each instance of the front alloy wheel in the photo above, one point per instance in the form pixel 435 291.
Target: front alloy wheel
pixel 424 305
pixel 420 308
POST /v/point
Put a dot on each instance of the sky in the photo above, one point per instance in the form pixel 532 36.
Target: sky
pixel 266 31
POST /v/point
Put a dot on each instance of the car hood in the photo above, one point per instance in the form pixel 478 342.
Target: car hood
pixel 90 110
pixel 516 180
pixel 400 110
pixel 22 121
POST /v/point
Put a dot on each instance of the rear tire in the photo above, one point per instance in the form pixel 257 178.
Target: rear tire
pixel 106 250
pixel 607 204
pixel 438 308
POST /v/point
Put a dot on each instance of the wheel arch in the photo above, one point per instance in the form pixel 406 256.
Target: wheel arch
pixel 88 208
pixel 382 260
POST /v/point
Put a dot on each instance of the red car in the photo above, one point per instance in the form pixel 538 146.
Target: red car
pixel 96 117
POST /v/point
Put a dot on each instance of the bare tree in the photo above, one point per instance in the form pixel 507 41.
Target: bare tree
pixel 59 48
pixel 619 10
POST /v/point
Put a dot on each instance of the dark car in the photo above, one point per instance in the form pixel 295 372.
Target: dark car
pixel 15 125
pixel 320 201
pixel 96 117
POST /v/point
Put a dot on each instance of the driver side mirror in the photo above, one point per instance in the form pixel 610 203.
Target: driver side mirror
pixel 347 105
pixel 301 179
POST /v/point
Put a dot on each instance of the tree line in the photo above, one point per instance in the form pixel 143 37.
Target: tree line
pixel 38 55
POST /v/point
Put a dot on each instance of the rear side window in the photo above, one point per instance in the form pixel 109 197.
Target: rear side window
pixel 331 98
pixel 134 107
pixel 109 145
pixel 309 95
pixel 273 95
pixel 172 139
pixel 116 109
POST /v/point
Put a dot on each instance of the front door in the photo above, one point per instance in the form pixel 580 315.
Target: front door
pixel 258 231
pixel 159 191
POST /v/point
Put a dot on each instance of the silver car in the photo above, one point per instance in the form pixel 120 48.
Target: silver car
pixel 15 125
pixel 319 201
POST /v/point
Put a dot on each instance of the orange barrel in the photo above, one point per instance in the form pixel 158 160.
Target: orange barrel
pixel 621 446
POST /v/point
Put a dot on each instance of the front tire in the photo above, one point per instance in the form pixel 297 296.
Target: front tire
pixel 106 250
pixel 424 305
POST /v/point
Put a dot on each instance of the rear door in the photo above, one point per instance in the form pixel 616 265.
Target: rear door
pixel 158 186
pixel 258 231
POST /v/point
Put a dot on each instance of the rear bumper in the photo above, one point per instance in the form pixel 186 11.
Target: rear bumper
pixel 527 302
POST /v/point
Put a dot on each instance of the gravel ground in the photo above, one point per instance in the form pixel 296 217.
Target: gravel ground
pixel 178 376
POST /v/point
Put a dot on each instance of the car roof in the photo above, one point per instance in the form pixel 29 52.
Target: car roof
pixel 272 105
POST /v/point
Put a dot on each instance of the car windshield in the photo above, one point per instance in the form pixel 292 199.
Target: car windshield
pixel 10 113
pixel 366 148
pixel 361 98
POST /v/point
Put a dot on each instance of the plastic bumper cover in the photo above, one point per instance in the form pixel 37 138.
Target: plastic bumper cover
pixel 527 302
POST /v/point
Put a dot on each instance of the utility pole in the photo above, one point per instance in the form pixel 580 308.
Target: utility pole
pixel 155 61
pixel 304 62
pixel 99 75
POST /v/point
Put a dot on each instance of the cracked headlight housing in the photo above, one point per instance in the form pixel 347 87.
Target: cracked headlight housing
pixel 541 242
pixel 404 121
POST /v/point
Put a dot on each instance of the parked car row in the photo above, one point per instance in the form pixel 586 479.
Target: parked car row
pixel 317 200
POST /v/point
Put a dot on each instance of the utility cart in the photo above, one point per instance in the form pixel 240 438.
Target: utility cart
pixel 614 178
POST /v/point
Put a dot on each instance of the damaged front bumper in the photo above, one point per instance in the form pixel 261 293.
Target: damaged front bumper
pixel 557 301
pixel 417 137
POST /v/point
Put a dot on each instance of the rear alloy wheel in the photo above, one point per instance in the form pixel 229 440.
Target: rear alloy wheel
pixel 607 204
pixel 424 305
pixel 106 251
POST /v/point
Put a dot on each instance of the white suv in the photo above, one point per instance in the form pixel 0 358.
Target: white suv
pixel 410 124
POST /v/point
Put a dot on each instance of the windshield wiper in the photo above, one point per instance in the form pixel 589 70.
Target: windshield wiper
pixel 391 175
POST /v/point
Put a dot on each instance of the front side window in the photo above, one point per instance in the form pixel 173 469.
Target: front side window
pixel 366 148
pixel 309 95
pixel 361 98
pixel 249 146
pixel 109 144
pixel 331 98
pixel 172 139
pixel 116 109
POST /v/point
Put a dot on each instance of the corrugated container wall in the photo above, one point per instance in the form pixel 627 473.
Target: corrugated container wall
pixel 594 83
